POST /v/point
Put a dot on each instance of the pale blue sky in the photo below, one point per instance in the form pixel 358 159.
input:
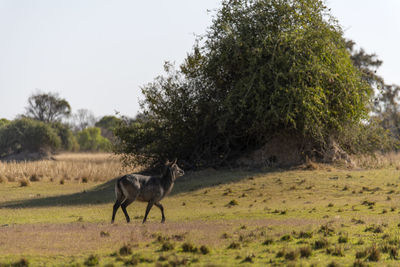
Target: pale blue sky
pixel 97 53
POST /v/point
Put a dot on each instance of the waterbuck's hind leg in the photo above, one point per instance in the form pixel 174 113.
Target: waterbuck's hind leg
pixel 162 211
pixel 149 206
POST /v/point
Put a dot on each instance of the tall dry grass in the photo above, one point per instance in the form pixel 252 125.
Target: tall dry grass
pixel 377 161
pixel 81 167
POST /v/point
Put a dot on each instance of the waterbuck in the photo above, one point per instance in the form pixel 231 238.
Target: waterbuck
pixel 149 189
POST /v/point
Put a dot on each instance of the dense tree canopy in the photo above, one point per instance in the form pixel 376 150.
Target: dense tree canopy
pixel 27 135
pixel 264 68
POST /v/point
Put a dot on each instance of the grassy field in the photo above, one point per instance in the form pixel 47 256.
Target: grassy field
pixel 320 217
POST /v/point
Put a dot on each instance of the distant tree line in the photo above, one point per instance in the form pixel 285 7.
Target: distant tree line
pixel 48 125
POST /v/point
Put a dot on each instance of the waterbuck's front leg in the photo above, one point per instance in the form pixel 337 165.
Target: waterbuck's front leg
pixel 158 204
pixel 149 206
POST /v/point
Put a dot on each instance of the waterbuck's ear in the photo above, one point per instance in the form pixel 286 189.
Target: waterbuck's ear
pixel 175 160
pixel 167 162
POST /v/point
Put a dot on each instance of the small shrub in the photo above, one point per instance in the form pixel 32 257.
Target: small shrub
pixel 321 243
pixel 85 180
pixel 268 241
pixel 357 221
pixel 374 229
pixel 374 254
pixel 104 234
pixel 337 251
pixel 394 241
pixel 188 247
pixel 281 253
pixel 368 203
pixel 125 250
pixel 204 250
pixel 21 263
pixel 62 181
pixel 393 252
pixel 225 236
pixel 178 262
pixel 359 263
pixel 286 237
pixel 233 202
pixel 178 237
pixel 93 260
pixel 34 178
pixel 361 254
pixel 333 264
pixel 330 205
pixel 23 183
pixel 133 261
pixel 305 252
pixel 162 258
pixel 159 237
pixel 234 245
pixel 326 230
pixel 292 255
pixel 360 242
pixel 166 246
pixel 305 234
pixel 249 258
pixel 343 239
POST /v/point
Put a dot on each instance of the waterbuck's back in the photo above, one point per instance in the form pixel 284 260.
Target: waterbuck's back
pixel 147 188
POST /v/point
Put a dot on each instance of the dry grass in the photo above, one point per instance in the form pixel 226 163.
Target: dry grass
pixel 69 166
pixel 377 161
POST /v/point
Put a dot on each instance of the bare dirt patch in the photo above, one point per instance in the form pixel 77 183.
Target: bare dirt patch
pixel 83 238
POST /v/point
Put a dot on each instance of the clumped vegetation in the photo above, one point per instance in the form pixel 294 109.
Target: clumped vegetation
pixel 253 78
pixel 167 246
pixel 125 250
pixel 92 260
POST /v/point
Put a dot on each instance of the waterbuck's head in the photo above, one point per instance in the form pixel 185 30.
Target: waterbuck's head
pixel 173 170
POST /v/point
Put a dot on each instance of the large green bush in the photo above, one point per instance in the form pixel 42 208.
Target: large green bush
pixel 90 139
pixel 27 135
pixel 264 68
pixel 107 124
pixel 68 140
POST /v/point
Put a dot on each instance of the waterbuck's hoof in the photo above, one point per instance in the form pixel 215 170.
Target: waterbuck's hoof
pixel 163 221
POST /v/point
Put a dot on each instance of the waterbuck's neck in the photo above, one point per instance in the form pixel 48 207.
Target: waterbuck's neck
pixel 167 180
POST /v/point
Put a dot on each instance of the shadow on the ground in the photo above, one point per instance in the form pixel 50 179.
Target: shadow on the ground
pixel 104 193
